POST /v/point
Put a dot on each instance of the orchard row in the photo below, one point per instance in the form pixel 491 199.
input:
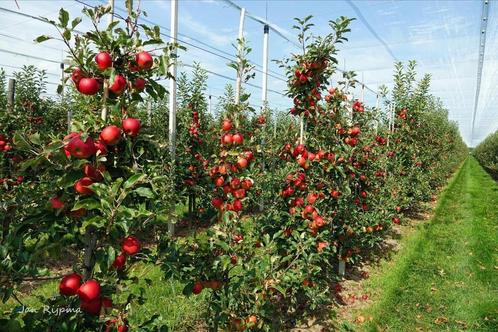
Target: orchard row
pixel 278 210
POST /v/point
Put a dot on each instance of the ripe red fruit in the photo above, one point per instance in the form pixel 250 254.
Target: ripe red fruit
pixel 239 193
pixel 242 162
pixel 238 139
pixel 79 149
pixel 110 135
pixel 70 284
pixel 56 203
pixel 197 288
pixel 106 302
pixel 131 126
pixel 219 181
pixel 100 147
pixel 81 186
pixel 335 194
pixel 119 261
pixel 233 259
pixel 118 85
pixel 139 84
pixel 227 139
pixel 396 220
pixel 144 60
pixel 226 125
pixel 235 183
pixel 237 205
pixel 103 60
pixel 92 172
pixel 354 131
pixel 76 75
pixel 217 202
pixel 88 86
pixel 92 307
pixel 89 291
pixel 122 328
pixel 131 245
pixel 249 155
pixel 246 184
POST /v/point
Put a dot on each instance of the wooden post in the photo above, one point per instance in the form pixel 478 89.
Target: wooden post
pixel 11 92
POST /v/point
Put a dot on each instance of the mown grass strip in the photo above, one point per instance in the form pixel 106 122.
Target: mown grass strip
pixel 445 276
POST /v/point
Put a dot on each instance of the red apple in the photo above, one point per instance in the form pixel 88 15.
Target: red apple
pixel 144 60
pixel 118 85
pixel 237 205
pixel 238 139
pixel 92 307
pixel 227 139
pixel 131 245
pixel 219 181
pixel 139 84
pixel 81 186
pixel 56 203
pixel 103 60
pixel 70 284
pixel 131 126
pixel 226 125
pixel 106 302
pixel 76 75
pixel 93 173
pixel 122 328
pixel 217 202
pixel 79 149
pixel 110 135
pixel 88 86
pixel 89 291
pixel 197 288
pixel 242 162
pixel 100 147
pixel 119 261
pixel 239 193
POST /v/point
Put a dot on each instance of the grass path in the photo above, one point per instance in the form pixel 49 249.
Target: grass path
pixel 445 277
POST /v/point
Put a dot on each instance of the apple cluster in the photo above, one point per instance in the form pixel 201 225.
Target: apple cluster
pixel 89 292
pixel 90 85
pixel 223 174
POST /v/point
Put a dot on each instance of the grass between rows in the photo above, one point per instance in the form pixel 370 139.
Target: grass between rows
pixel 163 297
pixel 445 276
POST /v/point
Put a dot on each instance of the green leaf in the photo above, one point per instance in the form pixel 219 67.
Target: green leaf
pixel 63 18
pixel 42 38
pixel 87 203
pixel 133 180
pixel 35 138
pixel 75 22
pixel 67 34
pixel 144 192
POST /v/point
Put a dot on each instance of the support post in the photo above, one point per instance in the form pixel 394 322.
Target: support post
pixel 11 92
pixel 172 94
pixel 149 112
pixel 110 18
pixel 209 104
pixel 301 129
pixel 264 92
pixel 238 83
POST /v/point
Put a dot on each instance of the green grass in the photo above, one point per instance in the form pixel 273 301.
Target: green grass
pixel 445 277
pixel 164 297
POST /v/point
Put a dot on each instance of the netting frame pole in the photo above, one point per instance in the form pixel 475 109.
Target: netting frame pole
pixel 264 89
pixel 238 84
pixel 172 95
